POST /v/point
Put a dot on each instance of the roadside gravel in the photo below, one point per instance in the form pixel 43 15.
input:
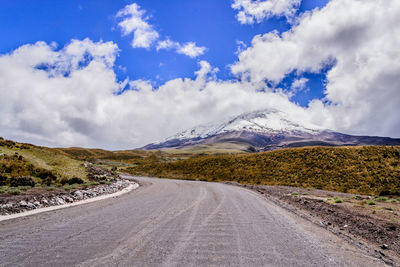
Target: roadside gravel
pixel 22 203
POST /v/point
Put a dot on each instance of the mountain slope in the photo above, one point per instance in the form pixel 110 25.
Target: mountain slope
pixel 265 130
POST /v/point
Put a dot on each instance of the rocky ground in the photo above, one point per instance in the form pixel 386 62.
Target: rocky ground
pixel 103 182
pixel 20 203
pixel 369 222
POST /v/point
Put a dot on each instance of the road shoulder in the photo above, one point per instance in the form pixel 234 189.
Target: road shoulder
pixel 339 221
pixel 129 188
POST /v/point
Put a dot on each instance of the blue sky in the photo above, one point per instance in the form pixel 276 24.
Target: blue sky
pixel 128 73
pixel 209 23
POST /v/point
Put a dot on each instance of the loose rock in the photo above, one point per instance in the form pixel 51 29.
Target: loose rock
pixel 39 201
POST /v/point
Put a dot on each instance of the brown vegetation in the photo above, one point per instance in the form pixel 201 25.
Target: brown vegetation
pixel 16 171
pixel 364 170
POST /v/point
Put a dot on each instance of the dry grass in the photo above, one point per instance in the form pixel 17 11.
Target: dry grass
pixel 365 170
pixel 63 166
pixel 211 149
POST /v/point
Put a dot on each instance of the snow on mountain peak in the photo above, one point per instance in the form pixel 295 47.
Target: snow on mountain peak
pixel 265 121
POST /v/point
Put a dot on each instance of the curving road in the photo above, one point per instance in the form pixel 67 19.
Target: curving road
pixel 174 223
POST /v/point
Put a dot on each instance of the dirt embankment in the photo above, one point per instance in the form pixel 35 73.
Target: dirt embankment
pixel 369 222
pixel 33 200
pixel 102 180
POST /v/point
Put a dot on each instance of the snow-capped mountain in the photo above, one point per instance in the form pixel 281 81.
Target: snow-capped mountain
pixel 265 121
pixel 266 130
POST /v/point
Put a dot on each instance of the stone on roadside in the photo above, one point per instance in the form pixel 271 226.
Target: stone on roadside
pixel 23 203
pixel 78 195
pixel 60 201
pixel 26 204
pixel 69 199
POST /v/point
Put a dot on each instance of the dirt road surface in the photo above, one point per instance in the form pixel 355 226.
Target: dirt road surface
pixel 174 223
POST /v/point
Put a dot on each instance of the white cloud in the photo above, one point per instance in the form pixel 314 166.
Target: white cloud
pixel 298 85
pixel 252 11
pixel 361 39
pixel 167 44
pixel 70 96
pixel 134 21
pixel 68 103
pixel 240 47
pixel 191 49
pixel 144 35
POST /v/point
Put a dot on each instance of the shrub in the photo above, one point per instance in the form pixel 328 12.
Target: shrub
pixel 338 200
pixel 14 191
pixel 91 183
pixel 74 186
pixel 43 174
pixel 3 189
pixel 25 146
pixel 371 202
pixel 358 170
pixel 22 181
pixel 19 168
pixel 46 176
pixel 47 181
pixel 3 180
pixel 73 180
pixel 386 193
pixel 384 199
pixel 24 188
pixel 68 187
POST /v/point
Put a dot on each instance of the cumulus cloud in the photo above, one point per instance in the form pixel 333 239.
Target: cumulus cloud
pixel 71 97
pixel 298 85
pixel 189 49
pixel 167 44
pixel 134 21
pixel 255 11
pixel 360 41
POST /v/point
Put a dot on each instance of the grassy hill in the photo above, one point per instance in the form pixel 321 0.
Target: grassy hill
pixel 28 165
pixel 94 153
pixel 211 149
pixel 365 170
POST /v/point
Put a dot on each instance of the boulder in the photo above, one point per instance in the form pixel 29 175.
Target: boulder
pixel 26 204
pixel 69 199
pixel 23 203
pixel 59 201
pixel 78 195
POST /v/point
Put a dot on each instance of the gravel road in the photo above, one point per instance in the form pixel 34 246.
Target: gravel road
pixel 174 223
